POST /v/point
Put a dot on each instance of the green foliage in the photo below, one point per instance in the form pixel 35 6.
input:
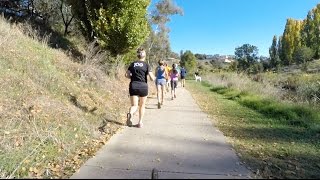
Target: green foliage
pixel 274 53
pixel 158 42
pixel 234 66
pixel 313 30
pixel 299 34
pixel 200 56
pixel 122 25
pixel 310 90
pixel 246 55
pixel 291 40
pixel 188 60
pixel 256 68
pixel 303 54
pixel 83 10
pixel 130 57
pixel 206 83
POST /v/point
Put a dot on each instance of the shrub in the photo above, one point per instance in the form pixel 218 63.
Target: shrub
pixel 309 91
pixel 303 54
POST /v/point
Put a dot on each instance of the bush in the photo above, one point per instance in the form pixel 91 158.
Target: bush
pixel 310 91
pixel 303 54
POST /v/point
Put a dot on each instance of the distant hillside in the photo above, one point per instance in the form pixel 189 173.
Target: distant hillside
pixel 53 111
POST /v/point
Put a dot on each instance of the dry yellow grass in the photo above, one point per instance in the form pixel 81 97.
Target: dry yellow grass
pixel 54 113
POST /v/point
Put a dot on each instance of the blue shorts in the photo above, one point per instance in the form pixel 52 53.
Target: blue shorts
pixel 161 82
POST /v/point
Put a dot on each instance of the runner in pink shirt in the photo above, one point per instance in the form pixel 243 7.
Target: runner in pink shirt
pixel 174 77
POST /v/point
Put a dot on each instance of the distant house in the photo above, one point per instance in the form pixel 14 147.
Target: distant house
pixel 226 58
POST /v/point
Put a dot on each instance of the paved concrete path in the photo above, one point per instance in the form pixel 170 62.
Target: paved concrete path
pixel 178 140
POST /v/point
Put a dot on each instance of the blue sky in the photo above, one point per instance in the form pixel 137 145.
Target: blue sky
pixel 219 26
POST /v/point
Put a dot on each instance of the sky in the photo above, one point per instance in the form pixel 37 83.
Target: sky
pixel 219 26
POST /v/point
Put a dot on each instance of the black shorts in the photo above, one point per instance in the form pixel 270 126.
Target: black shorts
pixel 183 77
pixel 174 84
pixel 138 92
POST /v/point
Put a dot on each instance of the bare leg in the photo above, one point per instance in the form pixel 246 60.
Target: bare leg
pixel 158 93
pixel 172 88
pixel 162 93
pixel 142 106
pixel 134 104
pixel 133 108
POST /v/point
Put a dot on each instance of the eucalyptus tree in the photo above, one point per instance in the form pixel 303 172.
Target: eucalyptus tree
pixel 246 55
pixel 188 60
pixel 159 44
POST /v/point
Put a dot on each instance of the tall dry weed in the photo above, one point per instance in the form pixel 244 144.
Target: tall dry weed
pixel 245 84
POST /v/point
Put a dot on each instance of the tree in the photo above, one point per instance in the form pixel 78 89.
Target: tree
pixel 66 15
pixel 188 60
pixel 121 25
pixel 307 32
pixel 280 50
pixel 200 56
pixel 118 25
pixel 84 12
pixel 158 43
pixel 246 55
pixel 315 31
pixel 291 39
pixel 273 52
pixel 303 54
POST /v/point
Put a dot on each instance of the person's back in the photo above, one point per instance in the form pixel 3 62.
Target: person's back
pixel 161 75
pixel 138 87
pixel 174 76
pixel 161 72
pixel 183 74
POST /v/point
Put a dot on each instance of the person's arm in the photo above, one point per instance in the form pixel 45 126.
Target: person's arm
pixel 128 74
pixel 152 76
pixel 150 73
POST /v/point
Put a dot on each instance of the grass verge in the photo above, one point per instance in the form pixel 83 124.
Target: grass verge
pixel 54 113
pixel 275 140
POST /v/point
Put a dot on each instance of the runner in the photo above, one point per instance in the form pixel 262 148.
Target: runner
pixel 138 72
pixel 161 75
pixel 183 74
pixel 168 69
pixel 174 77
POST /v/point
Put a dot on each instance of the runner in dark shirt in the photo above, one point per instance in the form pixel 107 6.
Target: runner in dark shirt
pixel 183 74
pixel 138 72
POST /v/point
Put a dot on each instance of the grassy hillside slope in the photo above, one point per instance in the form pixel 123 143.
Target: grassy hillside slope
pixel 54 113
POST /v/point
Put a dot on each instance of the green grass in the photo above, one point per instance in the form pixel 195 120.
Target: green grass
pixel 269 141
pixel 285 113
